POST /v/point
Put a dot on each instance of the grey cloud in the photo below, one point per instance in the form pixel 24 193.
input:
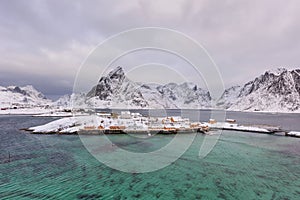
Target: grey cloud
pixel 47 40
pixel 54 87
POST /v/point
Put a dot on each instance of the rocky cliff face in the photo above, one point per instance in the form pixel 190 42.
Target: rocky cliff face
pixel 116 89
pixel 277 91
pixel 109 85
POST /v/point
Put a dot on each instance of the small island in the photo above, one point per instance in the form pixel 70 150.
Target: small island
pixel 135 123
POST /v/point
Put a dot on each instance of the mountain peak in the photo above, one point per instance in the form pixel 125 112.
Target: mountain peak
pixel 116 89
pixel 275 90
pixel 118 72
pixel 29 87
pixel 108 85
pixel 277 71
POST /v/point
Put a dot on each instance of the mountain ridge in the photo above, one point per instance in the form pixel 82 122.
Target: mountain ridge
pixel 274 91
pixel 115 89
pixel 22 96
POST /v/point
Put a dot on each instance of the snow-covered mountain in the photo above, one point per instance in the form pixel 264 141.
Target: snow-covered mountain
pixel 275 90
pixel 116 90
pixel 27 96
pixel 71 101
pixel 172 95
pixel 229 97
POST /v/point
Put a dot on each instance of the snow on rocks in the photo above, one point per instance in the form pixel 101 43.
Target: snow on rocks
pixel 236 127
pixel 113 123
pixel 134 122
pixel 293 134
pixel 64 125
pixel 274 91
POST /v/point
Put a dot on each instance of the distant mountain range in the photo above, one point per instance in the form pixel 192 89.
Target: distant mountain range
pixel 26 97
pixel 117 90
pixel 274 91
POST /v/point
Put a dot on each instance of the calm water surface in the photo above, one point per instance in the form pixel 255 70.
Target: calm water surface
pixel 241 166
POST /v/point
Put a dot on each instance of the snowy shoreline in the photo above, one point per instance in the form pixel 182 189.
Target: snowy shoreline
pixel 135 123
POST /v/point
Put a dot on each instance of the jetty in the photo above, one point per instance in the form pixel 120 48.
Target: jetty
pixel 230 124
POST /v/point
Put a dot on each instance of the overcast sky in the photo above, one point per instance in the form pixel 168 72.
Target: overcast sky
pixel 43 43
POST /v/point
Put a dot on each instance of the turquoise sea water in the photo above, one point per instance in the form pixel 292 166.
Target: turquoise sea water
pixel 241 166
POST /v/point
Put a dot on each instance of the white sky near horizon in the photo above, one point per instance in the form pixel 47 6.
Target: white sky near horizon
pixel 43 43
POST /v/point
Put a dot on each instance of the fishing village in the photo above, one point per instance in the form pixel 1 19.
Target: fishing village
pixel 135 123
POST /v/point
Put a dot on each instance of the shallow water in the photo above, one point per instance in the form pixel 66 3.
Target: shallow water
pixel 240 166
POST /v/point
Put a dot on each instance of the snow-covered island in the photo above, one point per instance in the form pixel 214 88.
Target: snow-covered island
pixel 127 122
pixel 119 123
pixel 274 91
